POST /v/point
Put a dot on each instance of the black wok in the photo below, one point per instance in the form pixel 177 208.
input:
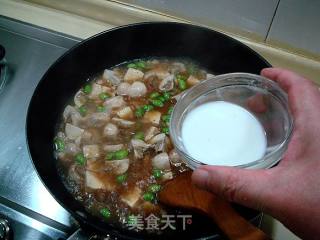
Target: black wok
pixel 214 51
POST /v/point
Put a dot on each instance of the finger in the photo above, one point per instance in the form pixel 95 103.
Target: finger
pixel 303 95
pixel 257 103
pixel 243 186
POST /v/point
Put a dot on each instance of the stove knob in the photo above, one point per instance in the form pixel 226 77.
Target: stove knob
pixel 2 53
pixel 4 229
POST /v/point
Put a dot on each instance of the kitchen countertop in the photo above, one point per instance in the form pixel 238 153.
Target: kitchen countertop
pixel 76 23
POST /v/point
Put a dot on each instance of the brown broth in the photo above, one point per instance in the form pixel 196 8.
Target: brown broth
pixel 139 174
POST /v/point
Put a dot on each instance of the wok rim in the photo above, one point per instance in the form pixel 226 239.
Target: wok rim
pixel 83 222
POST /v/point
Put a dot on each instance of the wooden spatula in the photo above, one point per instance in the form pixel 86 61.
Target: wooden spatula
pixel 181 193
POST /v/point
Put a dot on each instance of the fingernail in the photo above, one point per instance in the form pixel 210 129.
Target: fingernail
pixel 199 177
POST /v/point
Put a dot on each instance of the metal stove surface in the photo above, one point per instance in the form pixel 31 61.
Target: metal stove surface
pixel 24 201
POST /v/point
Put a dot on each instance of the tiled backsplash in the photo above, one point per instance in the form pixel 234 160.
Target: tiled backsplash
pixel 247 17
pixel 296 24
pixel 289 24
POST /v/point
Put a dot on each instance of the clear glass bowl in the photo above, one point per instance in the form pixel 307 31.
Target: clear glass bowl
pixel 260 96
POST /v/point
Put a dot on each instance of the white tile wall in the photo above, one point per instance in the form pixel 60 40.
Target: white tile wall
pixel 297 25
pixel 249 17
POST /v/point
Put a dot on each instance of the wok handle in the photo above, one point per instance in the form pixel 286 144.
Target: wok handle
pixel 79 235
pixel 234 226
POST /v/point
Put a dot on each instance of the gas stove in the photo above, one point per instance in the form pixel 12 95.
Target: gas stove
pixel 27 210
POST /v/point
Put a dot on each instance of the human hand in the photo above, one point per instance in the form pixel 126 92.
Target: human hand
pixel 290 191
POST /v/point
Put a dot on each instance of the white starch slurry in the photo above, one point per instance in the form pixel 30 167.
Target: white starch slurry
pixel 223 133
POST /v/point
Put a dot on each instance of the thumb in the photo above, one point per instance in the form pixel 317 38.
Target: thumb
pixel 244 186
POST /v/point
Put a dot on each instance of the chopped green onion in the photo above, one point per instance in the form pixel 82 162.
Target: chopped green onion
pixel 165 130
pixel 139 135
pixel 154 188
pixel 166 96
pixel 161 98
pixel 154 95
pixel 165 118
pixel 139 112
pixel 131 65
pixel 87 89
pixel 121 154
pixel 101 108
pixel 121 178
pixel 148 107
pixel 157 103
pixel 80 159
pixel 182 84
pixel 117 155
pixel 104 96
pixel 148 196
pixel 59 144
pixel 105 212
pixel 82 110
pixel 157 173
pixel 181 77
pixel 141 65
pixel 170 110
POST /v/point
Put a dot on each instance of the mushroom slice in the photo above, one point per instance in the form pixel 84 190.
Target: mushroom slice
pixel 161 161
pixel 111 77
pixel 137 89
pixel 151 132
pixel 71 148
pixel 91 151
pixel 133 75
pixel 73 132
pixel 72 112
pixel 153 117
pixel 139 147
pixel 192 80
pixel 117 166
pixel 114 102
pixel 125 113
pixel 123 123
pixel 167 83
pixel 159 142
pixel 177 67
pixel 132 196
pixel 68 111
pixel 79 98
pixel 175 158
pixel 157 72
pixel 96 90
pixel 76 173
pixel 113 148
pixel 110 130
pixel 123 88
pixel 85 138
pixel 97 119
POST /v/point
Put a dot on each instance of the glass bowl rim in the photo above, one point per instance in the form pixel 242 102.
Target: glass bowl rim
pixel 225 80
